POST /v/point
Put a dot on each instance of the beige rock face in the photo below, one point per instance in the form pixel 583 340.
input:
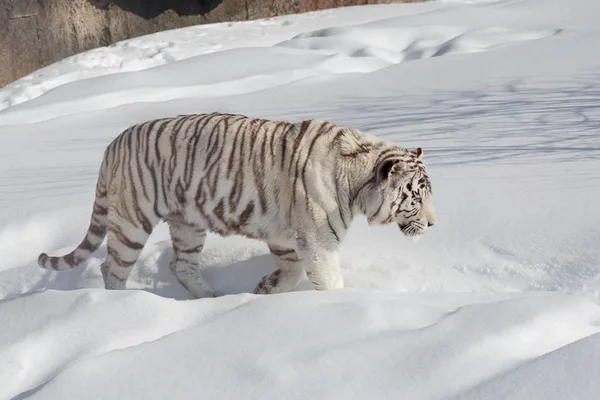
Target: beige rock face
pixel 35 33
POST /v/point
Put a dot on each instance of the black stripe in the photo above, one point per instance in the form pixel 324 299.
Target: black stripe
pixel 318 135
pixel 174 136
pixel 283 151
pixel 196 249
pixel 247 213
pixel 281 252
pixel 233 150
pixel 97 230
pixel 86 245
pixel 138 161
pixel 117 259
pixel 210 145
pixel 191 149
pixel 158 134
pixel 337 238
pixel 116 230
pixel 100 210
pixel 341 205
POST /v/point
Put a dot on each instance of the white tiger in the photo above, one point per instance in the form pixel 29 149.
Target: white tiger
pixel 296 186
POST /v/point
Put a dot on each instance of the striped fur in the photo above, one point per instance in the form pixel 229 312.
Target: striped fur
pixel 296 186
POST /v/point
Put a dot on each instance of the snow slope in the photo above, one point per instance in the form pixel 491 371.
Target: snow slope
pixel 499 300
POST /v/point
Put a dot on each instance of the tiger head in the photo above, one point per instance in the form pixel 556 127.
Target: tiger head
pixel 401 194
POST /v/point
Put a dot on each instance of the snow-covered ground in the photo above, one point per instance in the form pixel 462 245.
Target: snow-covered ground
pixel 500 300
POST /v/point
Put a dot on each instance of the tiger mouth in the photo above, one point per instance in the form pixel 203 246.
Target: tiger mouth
pixel 412 229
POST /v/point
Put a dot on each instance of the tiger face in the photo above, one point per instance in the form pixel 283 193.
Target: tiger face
pixel 406 194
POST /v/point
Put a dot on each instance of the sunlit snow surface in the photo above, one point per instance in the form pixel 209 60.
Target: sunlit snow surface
pixel 499 300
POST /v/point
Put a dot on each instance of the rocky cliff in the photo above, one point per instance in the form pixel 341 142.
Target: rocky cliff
pixel 35 33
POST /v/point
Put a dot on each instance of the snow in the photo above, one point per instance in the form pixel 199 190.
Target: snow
pixel 327 345
pixel 501 299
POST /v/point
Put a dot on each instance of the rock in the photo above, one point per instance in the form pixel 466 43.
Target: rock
pixel 35 33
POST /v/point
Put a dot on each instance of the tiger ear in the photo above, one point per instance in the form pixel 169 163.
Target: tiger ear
pixel 418 152
pixel 385 169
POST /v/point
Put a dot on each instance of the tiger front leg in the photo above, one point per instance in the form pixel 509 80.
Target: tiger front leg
pixel 322 267
pixel 318 242
pixel 288 275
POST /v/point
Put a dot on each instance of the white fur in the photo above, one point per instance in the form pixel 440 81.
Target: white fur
pixel 298 189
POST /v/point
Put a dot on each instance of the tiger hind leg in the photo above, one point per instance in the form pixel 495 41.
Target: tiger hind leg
pixel 125 242
pixel 188 241
pixel 288 275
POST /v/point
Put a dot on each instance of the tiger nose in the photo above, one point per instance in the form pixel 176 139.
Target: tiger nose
pixel 430 224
